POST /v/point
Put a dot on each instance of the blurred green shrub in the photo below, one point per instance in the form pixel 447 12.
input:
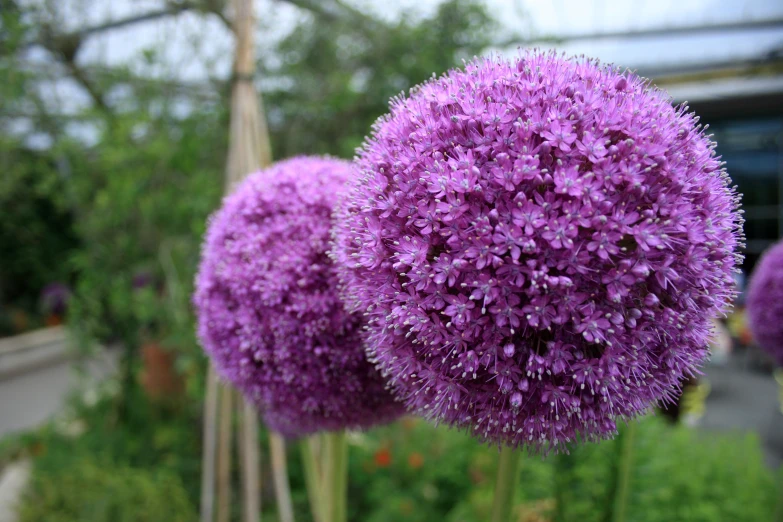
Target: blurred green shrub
pixel 90 465
pixel 87 490
pixel 678 475
pixel 414 472
pixel 36 230
pixel 158 437
pixel 144 198
pixel 36 233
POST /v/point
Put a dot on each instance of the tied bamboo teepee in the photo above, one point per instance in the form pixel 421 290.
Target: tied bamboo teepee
pixel 248 150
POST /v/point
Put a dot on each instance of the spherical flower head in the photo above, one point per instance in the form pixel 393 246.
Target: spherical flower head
pixel 269 315
pixel 539 247
pixel 765 302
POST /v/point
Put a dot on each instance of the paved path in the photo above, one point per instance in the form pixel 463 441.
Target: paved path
pixel 13 479
pixel 37 375
pixel 30 399
pixel 745 399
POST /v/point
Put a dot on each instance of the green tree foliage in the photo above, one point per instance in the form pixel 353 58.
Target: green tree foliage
pixel 36 232
pixel 89 490
pixel 137 191
pixel 331 79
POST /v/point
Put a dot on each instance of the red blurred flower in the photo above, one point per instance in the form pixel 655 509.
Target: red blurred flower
pixel 383 458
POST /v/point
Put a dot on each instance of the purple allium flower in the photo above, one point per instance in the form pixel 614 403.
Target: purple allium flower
pixel 268 311
pixel 55 297
pixel 765 302
pixel 141 279
pixel 539 248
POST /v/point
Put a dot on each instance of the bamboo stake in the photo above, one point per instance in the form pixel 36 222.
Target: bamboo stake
pixel 310 452
pixel 209 447
pixel 249 150
pixel 247 153
pixel 335 477
pixel 249 147
pixel 285 508
pixel 250 461
pixel 224 456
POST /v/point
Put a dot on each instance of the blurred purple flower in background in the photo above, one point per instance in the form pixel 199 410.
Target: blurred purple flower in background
pixel 268 311
pixel 765 302
pixel 54 298
pixel 539 248
pixel 141 279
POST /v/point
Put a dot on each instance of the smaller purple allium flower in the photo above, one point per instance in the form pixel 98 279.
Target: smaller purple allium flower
pixel 269 315
pixel 55 297
pixel 764 302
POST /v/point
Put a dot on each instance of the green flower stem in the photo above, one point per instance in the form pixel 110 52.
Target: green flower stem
pixel 336 476
pixel 506 484
pixel 312 469
pixel 779 507
pixel 620 511
pixel 563 470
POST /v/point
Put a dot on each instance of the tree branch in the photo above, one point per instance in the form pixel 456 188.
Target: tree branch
pixel 97 97
pixel 334 10
pixel 217 8
pixel 314 7
pixel 169 10
pixel 66 46
pixel 50 38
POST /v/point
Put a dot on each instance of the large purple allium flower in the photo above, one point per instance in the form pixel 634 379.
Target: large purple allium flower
pixel 268 311
pixel 765 302
pixel 539 248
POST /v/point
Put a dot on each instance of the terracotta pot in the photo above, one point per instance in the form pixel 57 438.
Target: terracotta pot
pixel 159 378
pixel 53 320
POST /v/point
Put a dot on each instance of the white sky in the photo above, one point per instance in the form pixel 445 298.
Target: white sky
pixel 174 37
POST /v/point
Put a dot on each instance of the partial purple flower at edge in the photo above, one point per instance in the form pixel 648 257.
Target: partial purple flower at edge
pixel 764 302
